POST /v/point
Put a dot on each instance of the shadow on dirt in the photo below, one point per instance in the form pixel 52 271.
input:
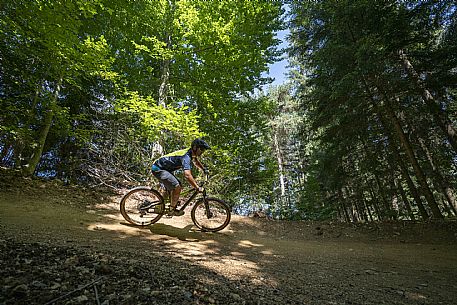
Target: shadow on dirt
pixel 187 233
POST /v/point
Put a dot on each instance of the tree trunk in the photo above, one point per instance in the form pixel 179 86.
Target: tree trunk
pixel 378 182
pixel 355 205
pixel 404 172
pixel 412 158
pixel 338 211
pixel 367 207
pixel 165 73
pixel 361 208
pixel 439 115
pixel 374 199
pixel 382 193
pixel 343 206
pixel 439 181
pixel 412 188
pixel 164 82
pixel 394 196
pixel 406 201
pixel 451 199
pixel 280 164
pixel 408 149
pixel 359 202
pixel 35 159
pixel 393 165
pixel 25 138
pixel 353 215
pixel 38 151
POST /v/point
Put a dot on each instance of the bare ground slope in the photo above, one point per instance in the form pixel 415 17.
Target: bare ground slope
pixel 61 245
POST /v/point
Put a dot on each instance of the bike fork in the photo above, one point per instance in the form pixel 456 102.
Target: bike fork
pixel 207 210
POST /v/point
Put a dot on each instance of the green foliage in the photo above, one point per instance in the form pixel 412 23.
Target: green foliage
pixel 153 119
pixel 242 156
pixel 312 205
pixel 124 81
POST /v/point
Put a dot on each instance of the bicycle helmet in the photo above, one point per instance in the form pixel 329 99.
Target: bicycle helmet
pixel 201 144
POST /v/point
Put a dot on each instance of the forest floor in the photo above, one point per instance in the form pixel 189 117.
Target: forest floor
pixel 63 245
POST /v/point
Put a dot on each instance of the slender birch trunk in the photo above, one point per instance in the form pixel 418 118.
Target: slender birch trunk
pixel 280 164
pixel 164 82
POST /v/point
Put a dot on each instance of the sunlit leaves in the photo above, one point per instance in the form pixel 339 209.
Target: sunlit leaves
pixel 156 119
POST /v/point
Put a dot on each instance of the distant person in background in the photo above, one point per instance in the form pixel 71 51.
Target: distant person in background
pixel 164 167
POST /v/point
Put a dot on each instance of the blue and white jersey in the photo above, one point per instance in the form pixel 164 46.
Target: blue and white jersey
pixel 174 161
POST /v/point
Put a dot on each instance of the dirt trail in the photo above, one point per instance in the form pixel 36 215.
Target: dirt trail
pixel 47 233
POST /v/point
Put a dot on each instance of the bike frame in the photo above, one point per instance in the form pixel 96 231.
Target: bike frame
pixel 191 198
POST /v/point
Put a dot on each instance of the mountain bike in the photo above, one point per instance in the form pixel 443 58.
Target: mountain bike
pixel 143 206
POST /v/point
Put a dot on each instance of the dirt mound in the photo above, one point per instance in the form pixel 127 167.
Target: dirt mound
pixel 444 231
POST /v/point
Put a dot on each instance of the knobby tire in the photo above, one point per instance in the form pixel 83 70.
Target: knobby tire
pixel 218 217
pixel 132 203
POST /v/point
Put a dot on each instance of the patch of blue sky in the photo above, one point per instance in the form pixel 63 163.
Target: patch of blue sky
pixel 279 70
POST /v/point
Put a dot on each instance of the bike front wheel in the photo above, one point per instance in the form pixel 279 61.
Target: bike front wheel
pixel 142 206
pixel 211 214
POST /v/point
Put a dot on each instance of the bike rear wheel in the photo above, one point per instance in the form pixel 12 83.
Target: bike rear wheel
pixel 142 206
pixel 211 214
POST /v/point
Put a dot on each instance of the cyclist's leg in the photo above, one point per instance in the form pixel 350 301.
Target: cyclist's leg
pixel 171 183
pixel 175 196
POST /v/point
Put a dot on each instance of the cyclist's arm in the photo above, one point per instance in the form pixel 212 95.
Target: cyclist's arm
pixel 190 179
pixel 198 164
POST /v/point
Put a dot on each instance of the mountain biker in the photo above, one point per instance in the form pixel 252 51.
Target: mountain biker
pixel 164 167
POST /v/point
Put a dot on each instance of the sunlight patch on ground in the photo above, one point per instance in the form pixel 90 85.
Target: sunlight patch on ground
pixel 236 253
pixel 248 244
pixel 126 231
pixel 237 268
pixel 267 252
pixel 415 296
